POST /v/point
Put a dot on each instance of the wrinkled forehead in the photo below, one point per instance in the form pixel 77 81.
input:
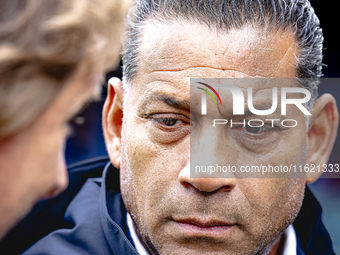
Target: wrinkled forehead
pixel 179 45
pixel 171 52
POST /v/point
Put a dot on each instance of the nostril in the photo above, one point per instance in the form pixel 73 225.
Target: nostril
pixel 186 184
pixel 59 186
pixel 226 188
pixel 210 185
pixel 62 183
pixel 52 193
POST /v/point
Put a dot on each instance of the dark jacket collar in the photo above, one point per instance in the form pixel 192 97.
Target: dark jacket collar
pixel 113 213
pixel 312 236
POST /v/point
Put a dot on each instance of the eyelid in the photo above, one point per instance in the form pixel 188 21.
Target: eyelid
pixel 263 131
pixel 160 122
pixel 176 116
pixel 272 125
pixel 167 134
pixel 178 122
pixel 181 124
pixel 260 135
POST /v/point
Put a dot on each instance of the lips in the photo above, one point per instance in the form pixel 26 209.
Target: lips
pixel 204 224
pixel 196 227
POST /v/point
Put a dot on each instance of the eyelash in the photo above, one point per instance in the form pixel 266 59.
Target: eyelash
pixel 168 122
pixel 171 122
pixel 266 130
pixel 165 121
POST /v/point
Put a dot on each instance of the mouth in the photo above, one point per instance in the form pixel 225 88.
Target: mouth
pixel 199 228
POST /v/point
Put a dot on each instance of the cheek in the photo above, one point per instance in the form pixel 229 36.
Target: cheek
pixel 271 192
pixel 290 151
pixel 49 160
pixel 274 203
pixel 52 147
pixel 152 165
pixel 38 160
pixel 148 171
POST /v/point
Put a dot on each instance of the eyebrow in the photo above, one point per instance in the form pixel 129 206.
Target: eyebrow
pixel 171 101
pixel 261 106
pixel 179 104
pixel 265 106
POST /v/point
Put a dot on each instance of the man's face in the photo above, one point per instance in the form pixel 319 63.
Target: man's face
pixel 33 164
pixel 173 213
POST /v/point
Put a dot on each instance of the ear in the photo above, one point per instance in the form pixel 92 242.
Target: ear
pixel 112 120
pixel 322 133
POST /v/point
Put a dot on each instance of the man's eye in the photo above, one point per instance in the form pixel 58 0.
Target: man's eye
pixel 173 123
pixel 256 130
pixel 260 131
pixel 167 121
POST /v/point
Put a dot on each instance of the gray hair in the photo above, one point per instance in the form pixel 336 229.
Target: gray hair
pixel 297 16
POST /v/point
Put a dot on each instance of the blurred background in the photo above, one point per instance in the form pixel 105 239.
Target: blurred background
pixel 88 142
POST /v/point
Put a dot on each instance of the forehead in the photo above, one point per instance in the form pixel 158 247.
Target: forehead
pixel 173 51
pixel 180 45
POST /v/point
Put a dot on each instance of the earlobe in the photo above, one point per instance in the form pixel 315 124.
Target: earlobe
pixel 112 120
pixel 322 133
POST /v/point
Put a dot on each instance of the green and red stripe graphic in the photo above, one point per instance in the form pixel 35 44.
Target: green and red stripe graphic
pixel 209 93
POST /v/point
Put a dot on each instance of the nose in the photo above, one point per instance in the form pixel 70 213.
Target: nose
pixel 60 182
pixel 206 184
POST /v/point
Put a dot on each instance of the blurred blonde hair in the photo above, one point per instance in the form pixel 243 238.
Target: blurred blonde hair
pixel 42 42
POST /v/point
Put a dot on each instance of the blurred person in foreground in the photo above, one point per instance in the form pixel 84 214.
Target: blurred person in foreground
pixel 53 54
pixel 152 205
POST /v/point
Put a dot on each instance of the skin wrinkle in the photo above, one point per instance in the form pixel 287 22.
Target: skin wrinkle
pixel 193 67
pixel 258 46
pixel 289 50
